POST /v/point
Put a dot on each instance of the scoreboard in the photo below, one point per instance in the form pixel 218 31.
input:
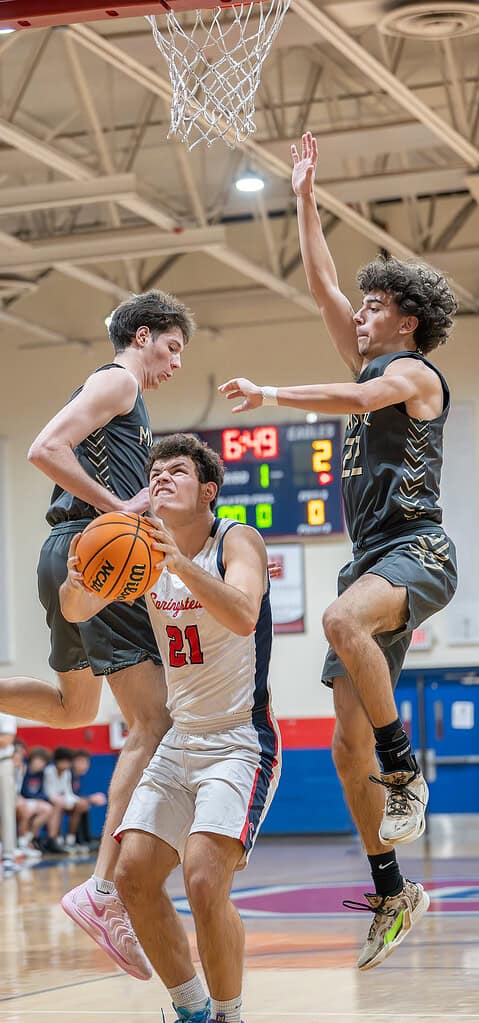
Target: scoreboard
pixel 283 479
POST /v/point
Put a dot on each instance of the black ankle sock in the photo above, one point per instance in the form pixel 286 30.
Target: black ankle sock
pixel 394 749
pixel 385 873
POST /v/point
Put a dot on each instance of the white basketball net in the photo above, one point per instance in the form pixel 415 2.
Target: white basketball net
pixel 215 68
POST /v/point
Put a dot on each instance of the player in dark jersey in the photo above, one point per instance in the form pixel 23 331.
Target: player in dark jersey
pixel 95 450
pixel 403 567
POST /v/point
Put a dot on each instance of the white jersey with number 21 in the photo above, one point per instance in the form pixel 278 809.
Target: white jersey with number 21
pixel 216 679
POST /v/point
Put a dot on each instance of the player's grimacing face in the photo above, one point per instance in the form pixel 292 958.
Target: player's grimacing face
pixel 174 486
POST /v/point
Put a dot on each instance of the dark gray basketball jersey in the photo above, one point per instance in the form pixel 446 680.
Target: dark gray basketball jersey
pixel 114 456
pixel 392 464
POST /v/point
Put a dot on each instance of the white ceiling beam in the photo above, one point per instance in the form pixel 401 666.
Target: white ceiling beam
pixel 112 245
pixel 55 194
pixel 399 184
pixel 329 30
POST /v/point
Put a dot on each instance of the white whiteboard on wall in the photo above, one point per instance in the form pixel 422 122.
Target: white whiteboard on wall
pixel 4 610
pixel 460 501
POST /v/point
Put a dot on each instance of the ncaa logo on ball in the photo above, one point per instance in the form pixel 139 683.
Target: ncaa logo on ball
pixel 101 577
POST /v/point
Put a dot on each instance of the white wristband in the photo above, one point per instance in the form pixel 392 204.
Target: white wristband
pixel 270 395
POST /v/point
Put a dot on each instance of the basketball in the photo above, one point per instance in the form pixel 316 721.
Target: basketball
pixel 115 556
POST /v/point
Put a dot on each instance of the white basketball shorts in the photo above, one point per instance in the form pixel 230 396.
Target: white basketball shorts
pixel 218 782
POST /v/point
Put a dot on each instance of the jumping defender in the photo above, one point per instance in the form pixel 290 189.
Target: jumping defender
pixel 404 567
pixel 95 450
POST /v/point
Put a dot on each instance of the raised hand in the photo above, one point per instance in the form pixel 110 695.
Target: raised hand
pixel 304 169
pixel 242 388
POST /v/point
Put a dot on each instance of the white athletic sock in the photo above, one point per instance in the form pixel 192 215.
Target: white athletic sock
pixel 103 886
pixel 227 1012
pixel 191 995
pixel 70 840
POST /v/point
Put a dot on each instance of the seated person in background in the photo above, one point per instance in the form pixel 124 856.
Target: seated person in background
pixel 57 781
pixel 32 801
pixel 33 811
pixel 19 762
pixel 34 764
pixel 82 786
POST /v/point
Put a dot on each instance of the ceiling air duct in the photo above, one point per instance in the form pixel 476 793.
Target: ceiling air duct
pixel 430 19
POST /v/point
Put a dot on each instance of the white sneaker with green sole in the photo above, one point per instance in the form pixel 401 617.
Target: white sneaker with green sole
pixel 394 917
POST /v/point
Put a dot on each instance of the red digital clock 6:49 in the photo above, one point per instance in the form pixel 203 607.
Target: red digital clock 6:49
pixel 262 441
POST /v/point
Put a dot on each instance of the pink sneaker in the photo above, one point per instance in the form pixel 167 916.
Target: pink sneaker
pixel 105 919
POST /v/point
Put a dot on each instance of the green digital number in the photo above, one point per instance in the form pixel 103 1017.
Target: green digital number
pixel 232 511
pixel 264 516
pixel 264 476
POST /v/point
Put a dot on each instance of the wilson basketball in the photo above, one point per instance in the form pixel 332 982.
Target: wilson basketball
pixel 115 556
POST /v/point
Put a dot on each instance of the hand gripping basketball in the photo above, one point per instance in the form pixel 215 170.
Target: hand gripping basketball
pixel 115 556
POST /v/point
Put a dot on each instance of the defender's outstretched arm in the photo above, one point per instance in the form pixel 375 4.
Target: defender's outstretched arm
pixel 320 270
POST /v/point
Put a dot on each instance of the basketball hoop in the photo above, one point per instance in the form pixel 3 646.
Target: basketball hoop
pixel 215 68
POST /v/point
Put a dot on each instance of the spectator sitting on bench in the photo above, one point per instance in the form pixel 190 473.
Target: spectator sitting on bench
pixel 57 781
pixel 82 786
pixel 33 810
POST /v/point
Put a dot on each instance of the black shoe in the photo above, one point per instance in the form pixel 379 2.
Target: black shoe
pixel 52 845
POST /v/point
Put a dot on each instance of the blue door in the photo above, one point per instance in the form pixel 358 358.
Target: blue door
pixel 440 708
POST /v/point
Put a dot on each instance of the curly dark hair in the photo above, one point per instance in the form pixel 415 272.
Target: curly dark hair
pixel 208 464
pixel 154 309
pixel 417 290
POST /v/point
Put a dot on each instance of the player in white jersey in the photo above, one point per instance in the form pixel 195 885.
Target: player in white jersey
pixel 207 789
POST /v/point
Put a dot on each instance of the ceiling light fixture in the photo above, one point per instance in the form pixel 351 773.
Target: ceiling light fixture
pixel 249 182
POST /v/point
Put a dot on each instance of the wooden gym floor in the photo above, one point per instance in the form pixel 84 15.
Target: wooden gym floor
pixel 301 944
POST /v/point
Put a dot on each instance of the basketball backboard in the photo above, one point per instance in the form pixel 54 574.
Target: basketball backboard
pixel 23 14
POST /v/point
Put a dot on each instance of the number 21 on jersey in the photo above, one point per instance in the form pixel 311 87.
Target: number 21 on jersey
pixel 185 647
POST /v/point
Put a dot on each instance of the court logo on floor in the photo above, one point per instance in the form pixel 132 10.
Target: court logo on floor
pixel 454 896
